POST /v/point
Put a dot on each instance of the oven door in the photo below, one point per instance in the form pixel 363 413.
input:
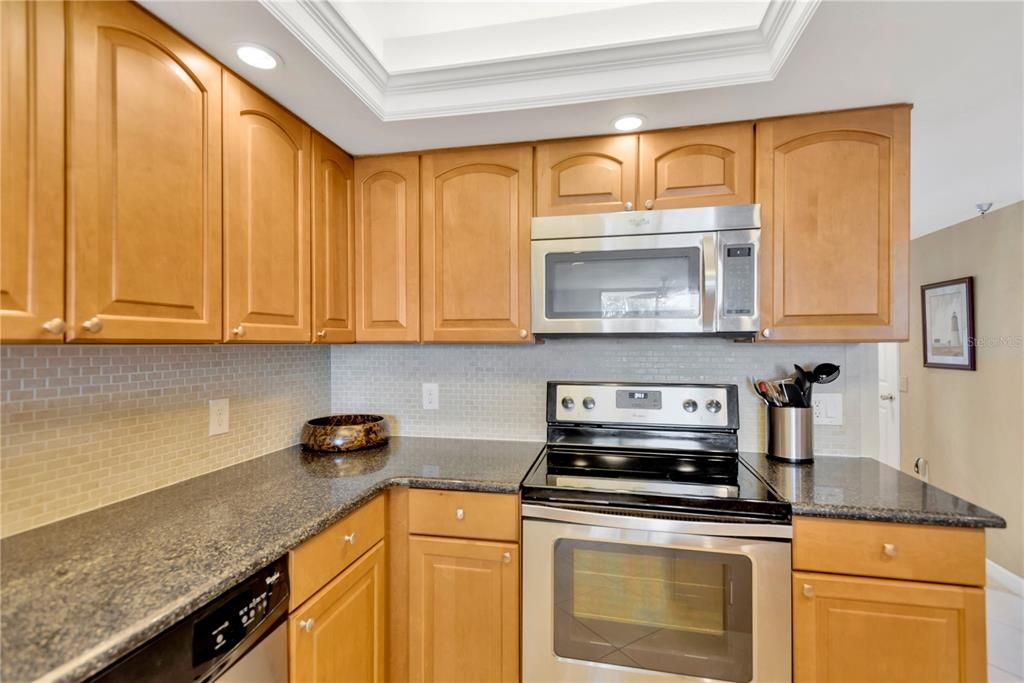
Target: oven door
pixel 613 598
pixel 626 284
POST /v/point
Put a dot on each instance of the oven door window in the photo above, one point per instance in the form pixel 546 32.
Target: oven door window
pixel 639 283
pixel 653 608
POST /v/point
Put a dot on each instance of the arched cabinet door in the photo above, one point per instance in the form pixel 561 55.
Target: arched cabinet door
pixel 334 299
pixel 702 166
pixel 476 244
pixel 32 181
pixel 266 219
pixel 388 248
pixel 593 175
pixel 834 194
pixel 144 180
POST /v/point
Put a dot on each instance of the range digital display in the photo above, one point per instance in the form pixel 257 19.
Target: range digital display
pixel 638 400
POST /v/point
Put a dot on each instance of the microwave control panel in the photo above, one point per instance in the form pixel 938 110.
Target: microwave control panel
pixel 738 279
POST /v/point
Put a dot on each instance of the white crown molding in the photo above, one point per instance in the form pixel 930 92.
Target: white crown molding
pixel 557 78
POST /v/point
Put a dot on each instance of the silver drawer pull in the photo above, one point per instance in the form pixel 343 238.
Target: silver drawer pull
pixel 306 625
pixel 350 538
pixel 460 514
pixel 889 549
pixel 808 590
pixel 506 557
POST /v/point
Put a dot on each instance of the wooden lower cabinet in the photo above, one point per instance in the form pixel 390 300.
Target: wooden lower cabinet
pixel 340 634
pixel 463 610
pixel 850 629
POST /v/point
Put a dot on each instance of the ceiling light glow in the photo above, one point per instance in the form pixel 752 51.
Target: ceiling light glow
pixel 259 57
pixel 629 122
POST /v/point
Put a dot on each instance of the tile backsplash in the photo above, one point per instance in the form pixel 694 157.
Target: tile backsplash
pixel 497 392
pixel 86 426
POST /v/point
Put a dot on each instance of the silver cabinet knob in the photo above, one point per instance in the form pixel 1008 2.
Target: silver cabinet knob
pixel 54 326
pixel 506 557
pixel 523 334
pixel 93 324
pixel 568 403
pixel 889 549
pixel 306 625
pixel 321 333
pixel 350 538
pixel 589 403
pixel 766 333
pixel 628 206
pixel 649 204
pixel 460 514
pixel 808 590
pixel 888 397
pixel 238 331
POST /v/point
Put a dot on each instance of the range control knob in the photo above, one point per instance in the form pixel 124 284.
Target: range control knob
pixel 713 406
pixel 568 403
pixel 689 405
pixel 588 402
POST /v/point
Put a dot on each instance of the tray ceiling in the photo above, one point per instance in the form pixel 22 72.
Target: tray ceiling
pixel 410 60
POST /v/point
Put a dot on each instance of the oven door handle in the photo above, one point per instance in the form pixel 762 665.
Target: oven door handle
pixel 709 283
pixel 672 526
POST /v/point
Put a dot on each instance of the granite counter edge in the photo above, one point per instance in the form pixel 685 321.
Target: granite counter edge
pixel 897 516
pixel 125 641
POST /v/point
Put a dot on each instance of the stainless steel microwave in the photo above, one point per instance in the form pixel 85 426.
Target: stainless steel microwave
pixel 677 271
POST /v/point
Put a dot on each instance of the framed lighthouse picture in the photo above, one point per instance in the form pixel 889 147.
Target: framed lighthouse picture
pixel 947 313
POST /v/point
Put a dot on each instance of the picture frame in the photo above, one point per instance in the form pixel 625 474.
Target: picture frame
pixel 947 324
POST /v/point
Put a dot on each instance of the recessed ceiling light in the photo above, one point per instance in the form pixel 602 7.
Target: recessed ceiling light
pixel 629 122
pixel 259 57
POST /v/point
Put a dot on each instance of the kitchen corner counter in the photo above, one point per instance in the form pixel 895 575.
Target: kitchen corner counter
pixel 80 593
pixel 843 487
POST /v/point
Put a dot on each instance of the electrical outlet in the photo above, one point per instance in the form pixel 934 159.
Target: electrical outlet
pixel 431 396
pixel 218 416
pixel 827 409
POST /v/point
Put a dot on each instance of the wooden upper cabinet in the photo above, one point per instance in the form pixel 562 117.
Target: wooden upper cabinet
pixel 463 610
pixel 852 629
pixel 266 219
pixel 834 194
pixel 144 180
pixel 340 634
pixel 334 291
pixel 387 203
pixel 32 181
pixel 594 175
pixel 701 166
pixel 476 244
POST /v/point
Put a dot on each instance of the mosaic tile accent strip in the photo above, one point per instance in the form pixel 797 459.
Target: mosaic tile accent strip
pixel 86 426
pixel 497 392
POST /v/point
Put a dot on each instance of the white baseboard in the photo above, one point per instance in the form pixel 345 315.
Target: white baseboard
pixel 1004 577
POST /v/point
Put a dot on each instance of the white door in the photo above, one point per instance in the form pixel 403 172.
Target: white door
pixel 889 404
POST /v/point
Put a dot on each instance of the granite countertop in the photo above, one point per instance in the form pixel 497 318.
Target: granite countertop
pixel 78 594
pixel 864 488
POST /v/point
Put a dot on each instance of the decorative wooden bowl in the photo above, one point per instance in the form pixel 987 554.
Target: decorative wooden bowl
pixel 338 433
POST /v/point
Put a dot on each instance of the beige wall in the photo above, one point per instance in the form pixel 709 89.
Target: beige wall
pixel 970 425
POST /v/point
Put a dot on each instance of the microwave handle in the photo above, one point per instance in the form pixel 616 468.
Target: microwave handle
pixel 709 285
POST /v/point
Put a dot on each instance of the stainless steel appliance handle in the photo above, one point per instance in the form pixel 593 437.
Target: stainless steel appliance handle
pixel 673 526
pixel 709 283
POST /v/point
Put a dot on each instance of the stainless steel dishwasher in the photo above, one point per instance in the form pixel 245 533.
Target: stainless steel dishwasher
pixel 239 637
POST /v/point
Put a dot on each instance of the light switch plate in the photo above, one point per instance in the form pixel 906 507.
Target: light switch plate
pixel 218 416
pixel 828 409
pixel 431 396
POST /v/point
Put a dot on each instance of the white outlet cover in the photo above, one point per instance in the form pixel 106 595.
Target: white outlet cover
pixel 218 416
pixel 827 409
pixel 431 396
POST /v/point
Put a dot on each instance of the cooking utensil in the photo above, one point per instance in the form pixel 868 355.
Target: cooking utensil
pixel 825 373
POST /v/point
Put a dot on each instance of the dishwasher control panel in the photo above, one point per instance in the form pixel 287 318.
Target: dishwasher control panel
pixel 237 616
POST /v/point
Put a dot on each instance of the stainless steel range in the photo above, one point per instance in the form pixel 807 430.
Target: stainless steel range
pixel 650 551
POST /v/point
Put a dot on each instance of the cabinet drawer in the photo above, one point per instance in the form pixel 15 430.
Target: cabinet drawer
pixel 490 516
pixel 324 556
pixel 892 551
